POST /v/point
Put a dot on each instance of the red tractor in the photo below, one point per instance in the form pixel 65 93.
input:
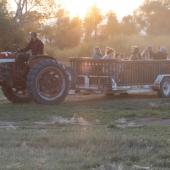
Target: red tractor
pixel 41 78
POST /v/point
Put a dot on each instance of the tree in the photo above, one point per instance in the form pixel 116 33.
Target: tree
pixel 31 21
pixel 88 27
pixel 128 25
pixel 24 6
pixel 112 26
pixel 64 32
pixel 74 33
pixel 9 33
pixel 91 23
pixel 153 16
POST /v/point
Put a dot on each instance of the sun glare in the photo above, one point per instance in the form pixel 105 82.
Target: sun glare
pixel 81 7
pixel 120 7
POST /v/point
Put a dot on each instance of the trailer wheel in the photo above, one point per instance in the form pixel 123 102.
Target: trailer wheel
pixel 165 88
pixel 16 95
pixel 72 77
pixel 48 82
pixel 108 88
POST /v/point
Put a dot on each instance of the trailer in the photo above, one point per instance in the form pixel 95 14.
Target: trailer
pixel 121 76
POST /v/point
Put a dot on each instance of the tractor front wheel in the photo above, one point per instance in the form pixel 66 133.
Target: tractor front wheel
pixel 16 95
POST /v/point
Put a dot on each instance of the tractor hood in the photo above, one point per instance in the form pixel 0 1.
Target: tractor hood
pixel 7 57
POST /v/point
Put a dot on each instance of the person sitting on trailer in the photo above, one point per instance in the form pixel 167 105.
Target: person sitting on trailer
pixel 148 53
pixel 136 53
pixel 97 54
pixel 117 55
pixel 161 54
pixel 109 54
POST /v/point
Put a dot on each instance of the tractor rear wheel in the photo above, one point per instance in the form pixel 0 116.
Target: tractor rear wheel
pixel 16 95
pixel 48 82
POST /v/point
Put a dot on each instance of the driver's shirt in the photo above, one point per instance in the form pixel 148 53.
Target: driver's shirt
pixel 36 47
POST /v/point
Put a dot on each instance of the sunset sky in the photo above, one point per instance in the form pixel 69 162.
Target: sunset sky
pixel 121 7
pixel 80 7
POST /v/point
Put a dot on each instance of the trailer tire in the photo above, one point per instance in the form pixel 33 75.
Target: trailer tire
pixel 108 88
pixel 48 82
pixel 72 77
pixel 164 91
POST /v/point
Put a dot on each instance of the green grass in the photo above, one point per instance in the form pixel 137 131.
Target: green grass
pixel 75 147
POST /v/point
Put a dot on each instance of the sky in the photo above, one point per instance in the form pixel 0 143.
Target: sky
pixel 80 7
pixel 120 7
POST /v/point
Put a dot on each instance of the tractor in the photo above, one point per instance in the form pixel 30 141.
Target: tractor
pixel 41 79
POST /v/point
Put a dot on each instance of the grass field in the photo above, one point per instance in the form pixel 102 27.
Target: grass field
pixel 86 133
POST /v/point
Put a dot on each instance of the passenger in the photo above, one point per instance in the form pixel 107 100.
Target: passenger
pixel 148 53
pixel 97 54
pixel 136 54
pixel 161 54
pixel 109 53
pixel 117 55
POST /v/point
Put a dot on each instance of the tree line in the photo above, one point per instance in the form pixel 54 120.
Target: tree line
pixel 59 30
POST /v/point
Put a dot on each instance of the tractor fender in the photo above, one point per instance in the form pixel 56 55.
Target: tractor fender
pixel 36 59
pixel 158 81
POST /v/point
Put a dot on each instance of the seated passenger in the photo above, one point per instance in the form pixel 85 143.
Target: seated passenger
pixel 97 53
pixel 109 54
pixel 161 54
pixel 136 54
pixel 148 53
pixel 117 55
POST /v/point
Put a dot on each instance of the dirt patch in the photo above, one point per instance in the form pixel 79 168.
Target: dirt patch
pixel 124 123
pixel 114 166
pixel 140 122
pixel 120 166
pixel 3 100
pixel 75 120
pixel 14 166
pixel 153 121
pixel 8 125
pixel 138 167
pixel 82 98
pixel 78 120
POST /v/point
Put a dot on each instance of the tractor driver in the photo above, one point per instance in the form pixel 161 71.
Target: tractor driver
pixel 35 46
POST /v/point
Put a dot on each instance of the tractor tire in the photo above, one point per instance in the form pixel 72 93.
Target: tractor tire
pixel 164 91
pixel 48 82
pixel 16 96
